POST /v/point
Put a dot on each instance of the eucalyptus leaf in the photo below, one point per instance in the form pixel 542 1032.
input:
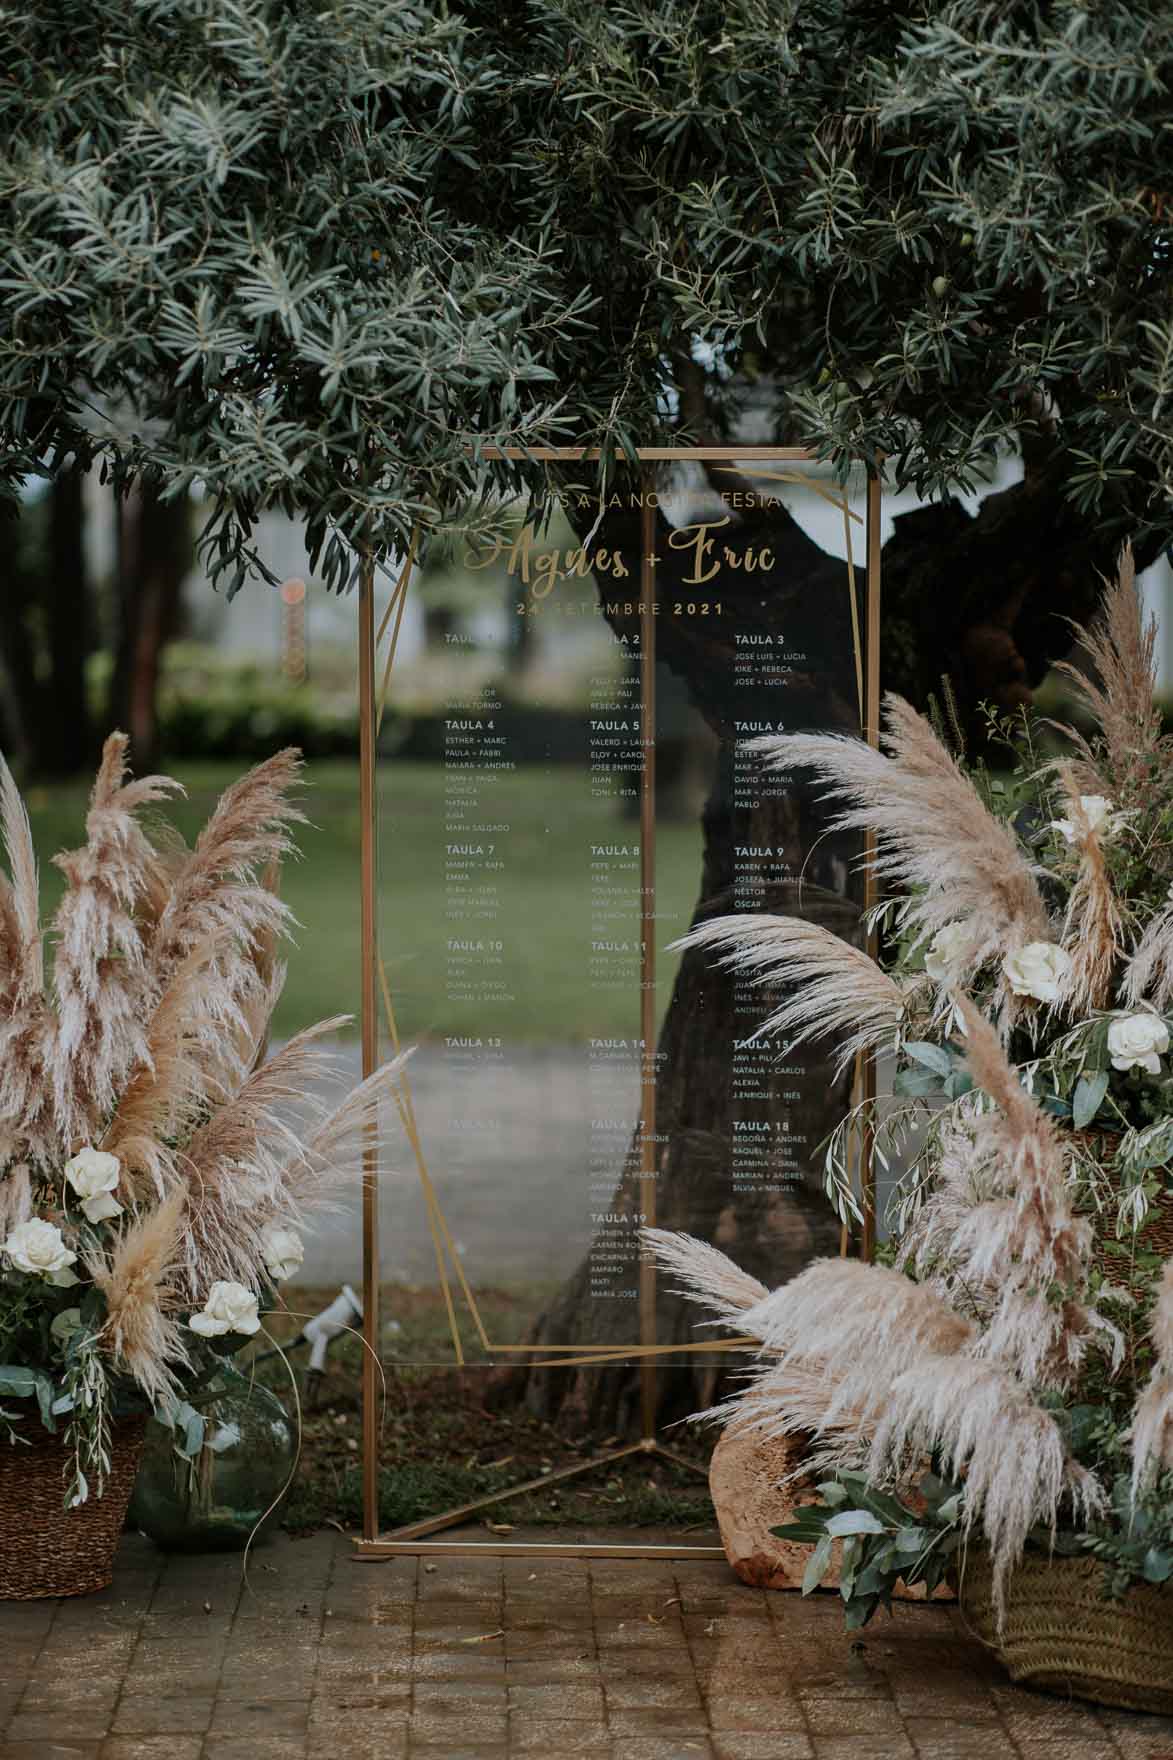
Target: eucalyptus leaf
pixel 914 1084
pixel 858 1613
pixel 1158 1564
pixel 66 1324
pixel 817 1564
pixel 17 1381
pixel 934 1057
pixel 911 1541
pixel 849 1562
pixel 1088 1097
pixel 45 1397
pixel 854 1521
pixel 193 1435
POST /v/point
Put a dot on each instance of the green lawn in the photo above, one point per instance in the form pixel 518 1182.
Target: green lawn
pixel 543 919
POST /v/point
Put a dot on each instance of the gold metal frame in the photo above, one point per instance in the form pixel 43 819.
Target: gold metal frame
pixel 411 1540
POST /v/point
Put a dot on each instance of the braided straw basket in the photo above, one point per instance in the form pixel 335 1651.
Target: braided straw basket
pixel 1156 1235
pixel 1061 1634
pixel 45 1549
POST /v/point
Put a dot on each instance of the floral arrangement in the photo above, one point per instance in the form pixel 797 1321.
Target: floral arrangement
pixel 156 1166
pixel 1015 1359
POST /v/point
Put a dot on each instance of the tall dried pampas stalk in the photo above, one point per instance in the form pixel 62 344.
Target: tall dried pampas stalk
pixel 235 1164
pixel 1152 1418
pixel 170 1089
pixel 23 971
pixel 334 1156
pixel 859 1325
pixel 840 991
pixel 27 1028
pixel 99 981
pixel 707 1274
pixel 137 1279
pixel 989 1432
pixel 936 840
pixel 1148 973
pixel 1092 928
pixel 786 1399
pixel 219 887
pixel 1120 693
pixel 1022 1240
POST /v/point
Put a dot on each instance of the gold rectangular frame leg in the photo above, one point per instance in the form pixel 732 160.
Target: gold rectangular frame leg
pixel 649 1159
pixel 872 735
pixel 370 1044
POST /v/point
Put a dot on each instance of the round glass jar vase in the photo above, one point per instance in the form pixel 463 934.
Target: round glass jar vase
pixel 231 1486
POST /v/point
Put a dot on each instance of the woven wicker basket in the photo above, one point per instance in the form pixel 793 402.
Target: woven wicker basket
pixel 45 1549
pixel 1062 1635
pixel 1157 1234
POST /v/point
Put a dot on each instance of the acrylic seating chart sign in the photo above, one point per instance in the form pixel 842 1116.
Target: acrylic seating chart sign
pixel 585 791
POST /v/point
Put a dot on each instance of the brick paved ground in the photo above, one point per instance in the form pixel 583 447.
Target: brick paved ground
pixel 628 1661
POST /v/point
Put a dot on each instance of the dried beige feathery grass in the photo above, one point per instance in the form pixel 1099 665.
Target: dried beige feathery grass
pixel 27 1119
pixel 1148 972
pixel 1152 1418
pixel 708 1275
pixel 859 1325
pixel 265 979
pixel 1092 928
pixel 217 889
pixel 235 1165
pixel 901 1376
pixel 261 1187
pixel 936 840
pixel 333 1157
pixel 989 1432
pixel 99 953
pixel 172 1088
pixel 137 1278
pixel 786 1399
pixel 98 974
pixel 23 973
pixel 1022 1239
pixel 16 1197
pixel 1120 693
pixel 839 990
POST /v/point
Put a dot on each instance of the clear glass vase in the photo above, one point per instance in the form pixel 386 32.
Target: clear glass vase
pixel 232 1486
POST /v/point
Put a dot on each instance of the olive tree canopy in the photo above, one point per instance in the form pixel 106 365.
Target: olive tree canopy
pixel 300 252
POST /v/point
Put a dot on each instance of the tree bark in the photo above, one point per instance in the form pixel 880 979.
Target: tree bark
pixel 67 738
pixel 987 600
pixel 154 555
pixel 46 632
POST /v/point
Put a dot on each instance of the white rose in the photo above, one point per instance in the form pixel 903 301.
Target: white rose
pixel 38 1248
pixel 94 1177
pixel 1136 1041
pixel 1100 814
pixel 283 1252
pixel 948 952
pixel 229 1308
pixel 1039 969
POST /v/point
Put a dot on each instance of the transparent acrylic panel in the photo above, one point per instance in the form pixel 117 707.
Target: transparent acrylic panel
pixel 564 787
